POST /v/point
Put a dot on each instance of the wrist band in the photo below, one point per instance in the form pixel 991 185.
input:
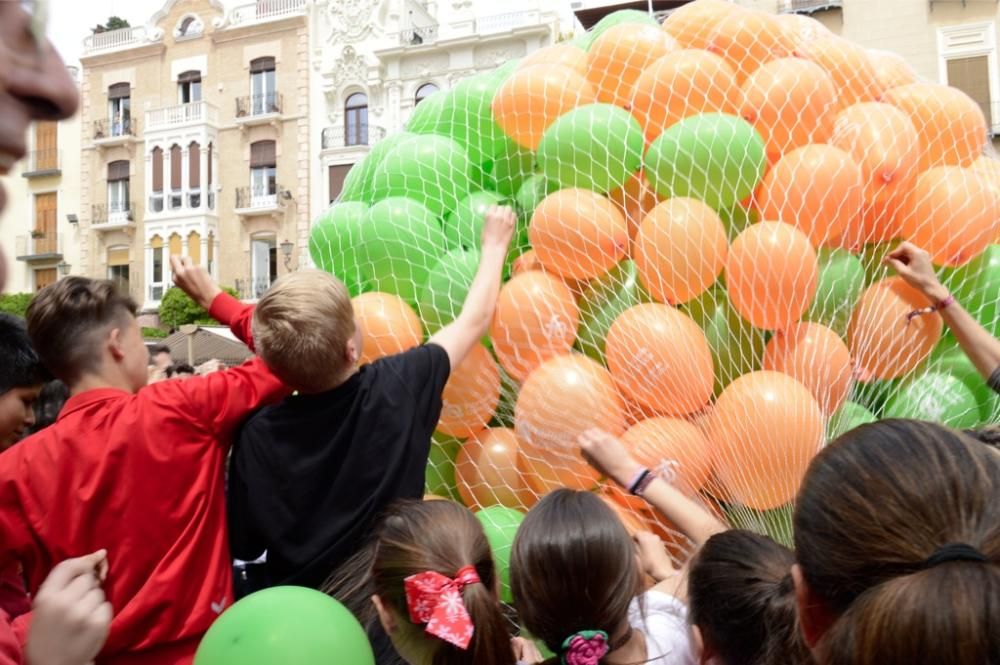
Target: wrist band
pixel 646 481
pixel 936 307
pixel 640 476
pixel 947 302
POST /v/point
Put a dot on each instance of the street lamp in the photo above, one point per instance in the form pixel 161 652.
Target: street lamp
pixel 286 251
pixel 63 268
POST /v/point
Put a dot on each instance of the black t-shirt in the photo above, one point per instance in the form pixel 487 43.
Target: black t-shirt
pixel 309 476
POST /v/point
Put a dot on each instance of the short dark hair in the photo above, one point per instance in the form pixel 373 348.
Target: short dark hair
pixel 66 318
pixel 179 368
pixel 19 364
pixel 157 349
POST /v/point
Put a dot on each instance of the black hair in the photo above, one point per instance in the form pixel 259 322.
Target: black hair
pixel 179 368
pixel 19 364
pixel 157 349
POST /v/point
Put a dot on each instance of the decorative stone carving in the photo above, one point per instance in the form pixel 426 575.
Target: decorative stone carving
pixel 492 57
pixel 425 66
pixel 350 20
pixel 350 67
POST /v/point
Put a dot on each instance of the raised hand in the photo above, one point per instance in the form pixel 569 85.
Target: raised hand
pixel 608 456
pixel 194 280
pixel 498 228
pixel 914 266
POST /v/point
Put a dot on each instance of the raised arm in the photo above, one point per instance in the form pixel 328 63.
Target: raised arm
pixel 458 337
pixel 195 281
pixel 607 454
pixel 983 349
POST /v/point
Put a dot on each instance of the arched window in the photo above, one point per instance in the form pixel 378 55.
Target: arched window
pixel 189 87
pixel 356 119
pixel 194 175
pixel 425 91
pixel 156 198
pixel 190 26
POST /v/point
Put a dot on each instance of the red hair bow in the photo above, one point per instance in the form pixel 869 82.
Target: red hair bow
pixel 436 600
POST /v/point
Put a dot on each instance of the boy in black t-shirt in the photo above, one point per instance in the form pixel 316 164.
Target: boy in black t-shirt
pixel 309 476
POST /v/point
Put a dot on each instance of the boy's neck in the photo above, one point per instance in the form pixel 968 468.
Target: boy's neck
pixel 339 382
pixel 97 381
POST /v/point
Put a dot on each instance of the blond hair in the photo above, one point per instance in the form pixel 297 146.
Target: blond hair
pixel 301 328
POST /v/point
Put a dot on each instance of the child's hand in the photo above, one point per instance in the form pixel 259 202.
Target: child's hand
pixel 653 556
pixel 914 265
pixel 607 454
pixel 498 228
pixel 194 280
pixel 71 616
pixel 525 651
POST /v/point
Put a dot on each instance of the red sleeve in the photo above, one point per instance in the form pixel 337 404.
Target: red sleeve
pixel 229 311
pixel 10 649
pixel 15 529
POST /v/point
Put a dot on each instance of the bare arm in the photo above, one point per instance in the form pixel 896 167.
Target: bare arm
pixel 607 454
pixel 458 337
pixel 914 265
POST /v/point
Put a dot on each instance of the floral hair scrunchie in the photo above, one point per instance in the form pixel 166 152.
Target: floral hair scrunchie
pixel 586 647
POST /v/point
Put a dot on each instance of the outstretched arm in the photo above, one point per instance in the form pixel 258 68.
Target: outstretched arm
pixel 458 337
pixel 983 349
pixel 606 453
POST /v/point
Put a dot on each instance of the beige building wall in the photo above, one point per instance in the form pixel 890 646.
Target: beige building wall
pixel 33 259
pixel 235 232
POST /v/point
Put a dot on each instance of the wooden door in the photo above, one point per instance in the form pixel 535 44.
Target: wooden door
pixel 45 223
pixel 44 277
pixel 45 146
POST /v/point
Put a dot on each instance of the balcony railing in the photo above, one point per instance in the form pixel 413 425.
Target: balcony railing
pixel 257 105
pixel 415 36
pixel 113 216
pixel 107 129
pixel 504 22
pixel 265 10
pixel 39 246
pixel 262 199
pixel 114 39
pixel 42 163
pixel 190 199
pixel 338 136
pixel 182 114
pixel 252 288
pixel 807 6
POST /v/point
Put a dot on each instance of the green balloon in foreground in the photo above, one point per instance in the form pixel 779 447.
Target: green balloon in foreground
pixel 596 147
pixel 871 256
pixel 603 302
pixel 976 285
pixel 775 523
pixel 433 170
pixel 620 17
pixel 464 227
pixel 334 241
pixel 847 417
pixel 712 157
pixel 358 183
pixel 737 347
pixel 288 625
pixel 439 476
pixel 512 167
pixel 446 288
pixel 841 283
pixel 501 524
pixel 950 359
pixel 402 241
pixel 937 397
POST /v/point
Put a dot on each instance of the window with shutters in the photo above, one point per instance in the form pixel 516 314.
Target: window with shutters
pixel 46 154
pixel 118 188
pixel 263 174
pixel 156 167
pixel 176 167
pixel 194 175
pixel 189 87
pixel 119 109
pixel 338 172
pixel 356 120
pixel 263 87
pixel 156 270
pixel 968 61
pixel 118 269
pixel 44 277
pixel 44 234
pixel 208 179
pixel 263 264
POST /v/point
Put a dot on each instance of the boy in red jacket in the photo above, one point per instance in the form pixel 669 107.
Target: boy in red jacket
pixel 133 469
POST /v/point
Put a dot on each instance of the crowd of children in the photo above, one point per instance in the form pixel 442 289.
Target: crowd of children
pixel 117 528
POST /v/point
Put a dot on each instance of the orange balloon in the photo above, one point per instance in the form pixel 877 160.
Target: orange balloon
pixel 675 449
pixel 536 318
pixel 891 69
pixel 882 343
pixel 682 84
pixel 790 102
pixel 817 357
pixel 692 24
pixel 529 261
pixel 566 55
pixel 534 97
pixel 950 124
pixel 803 28
pixel 885 143
pixel 660 358
pixel 630 520
pixel 771 274
pixel 749 40
pixel 680 250
pixel 388 325
pixel 953 213
pixel 817 188
pixel 766 427
pixel 847 63
pixel 487 472
pixel 617 58
pixel 435 497
pixel 634 200
pixel 471 396
pixel 562 399
pixel 578 234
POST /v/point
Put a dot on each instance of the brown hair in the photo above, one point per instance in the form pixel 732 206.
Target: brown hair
pixel 301 328
pixel 573 568
pixel 67 320
pixel 742 599
pixel 438 536
pixel 873 507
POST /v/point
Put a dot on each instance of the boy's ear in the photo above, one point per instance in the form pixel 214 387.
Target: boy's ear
pixel 384 615
pixel 115 339
pixel 352 352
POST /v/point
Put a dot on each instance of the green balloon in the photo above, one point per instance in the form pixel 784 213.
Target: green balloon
pixel 712 157
pixel 401 242
pixel 358 183
pixel 950 359
pixel 464 227
pixel 937 397
pixel 847 417
pixel 500 524
pixel 433 170
pixel 775 523
pixel 841 283
pixel 512 167
pixel 509 389
pixel 447 285
pixel 620 17
pixel 871 256
pixel 874 395
pixel 603 301
pixel 465 114
pixel 976 285
pixel 334 241
pixel 736 220
pixel 596 147
pixel 289 625
pixel 737 347
pixel 532 191
pixel 439 476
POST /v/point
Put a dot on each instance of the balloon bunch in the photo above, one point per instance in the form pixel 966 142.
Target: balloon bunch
pixel 704 206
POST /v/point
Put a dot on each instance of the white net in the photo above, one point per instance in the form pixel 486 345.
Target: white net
pixel 704 207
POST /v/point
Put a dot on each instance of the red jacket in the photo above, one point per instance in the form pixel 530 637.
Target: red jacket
pixel 141 475
pixel 10 650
